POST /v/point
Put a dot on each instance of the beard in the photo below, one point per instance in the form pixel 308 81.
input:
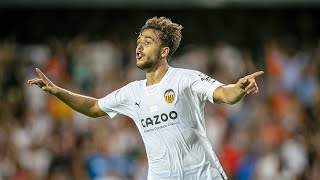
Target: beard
pixel 151 63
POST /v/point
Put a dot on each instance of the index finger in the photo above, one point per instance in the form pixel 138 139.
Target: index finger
pixel 41 74
pixel 253 75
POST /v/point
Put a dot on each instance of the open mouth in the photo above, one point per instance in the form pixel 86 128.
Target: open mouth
pixel 139 55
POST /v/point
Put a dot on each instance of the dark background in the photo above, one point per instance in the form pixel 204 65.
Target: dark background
pixel 88 47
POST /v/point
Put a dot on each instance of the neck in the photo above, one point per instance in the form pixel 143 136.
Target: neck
pixel 154 77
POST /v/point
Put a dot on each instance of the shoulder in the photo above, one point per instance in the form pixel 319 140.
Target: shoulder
pixel 188 73
pixel 128 91
pixel 193 76
pixel 135 85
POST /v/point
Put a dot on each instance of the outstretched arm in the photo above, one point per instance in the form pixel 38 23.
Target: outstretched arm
pixel 233 93
pixel 83 104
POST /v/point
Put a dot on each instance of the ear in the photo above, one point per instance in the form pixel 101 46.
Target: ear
pixel 165 52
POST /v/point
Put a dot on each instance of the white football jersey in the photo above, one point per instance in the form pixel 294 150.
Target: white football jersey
pixel 170 118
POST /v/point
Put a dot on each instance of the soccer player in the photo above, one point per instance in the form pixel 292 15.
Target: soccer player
pixel 167 107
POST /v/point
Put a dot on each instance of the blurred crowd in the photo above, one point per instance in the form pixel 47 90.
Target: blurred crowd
pixel 272 135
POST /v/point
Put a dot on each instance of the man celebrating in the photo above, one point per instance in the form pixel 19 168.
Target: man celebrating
pixel 167 107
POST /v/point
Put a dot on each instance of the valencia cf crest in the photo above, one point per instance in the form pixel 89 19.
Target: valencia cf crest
pixel 169 96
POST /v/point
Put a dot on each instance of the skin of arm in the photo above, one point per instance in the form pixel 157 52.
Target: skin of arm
pixel 83 104
pixel 229 94
pixel 233 93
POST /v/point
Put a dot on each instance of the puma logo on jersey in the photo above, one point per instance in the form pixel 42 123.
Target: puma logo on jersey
pixel 138 104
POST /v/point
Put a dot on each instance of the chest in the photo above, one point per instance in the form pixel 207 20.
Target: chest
pixel 158 107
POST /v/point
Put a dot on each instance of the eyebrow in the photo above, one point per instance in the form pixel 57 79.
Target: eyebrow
pixel 145 37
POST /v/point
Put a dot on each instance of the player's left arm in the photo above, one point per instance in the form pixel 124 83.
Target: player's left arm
pixel 233 93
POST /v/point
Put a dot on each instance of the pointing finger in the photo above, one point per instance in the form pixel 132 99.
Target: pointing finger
pixel 255 74
pixel 35 81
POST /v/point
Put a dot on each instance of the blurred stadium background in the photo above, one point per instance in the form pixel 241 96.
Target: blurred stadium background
pixel 89 48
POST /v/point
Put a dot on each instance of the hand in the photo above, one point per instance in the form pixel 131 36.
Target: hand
pixel 248 84
pixel 44 83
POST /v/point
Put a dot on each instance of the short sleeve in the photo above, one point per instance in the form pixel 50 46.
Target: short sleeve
pixel 203 85
pixel 116 102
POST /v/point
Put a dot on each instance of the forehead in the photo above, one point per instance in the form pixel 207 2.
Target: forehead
pixel 149 33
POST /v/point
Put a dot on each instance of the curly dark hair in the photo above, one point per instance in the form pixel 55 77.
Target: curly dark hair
pixel 170 33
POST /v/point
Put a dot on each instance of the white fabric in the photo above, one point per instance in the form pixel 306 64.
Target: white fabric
pixel 173 133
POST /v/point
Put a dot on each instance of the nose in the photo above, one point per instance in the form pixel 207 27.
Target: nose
pixel 139 47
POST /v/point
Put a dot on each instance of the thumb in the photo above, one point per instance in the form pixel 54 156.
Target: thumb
pixel 243 81
pixel 42 76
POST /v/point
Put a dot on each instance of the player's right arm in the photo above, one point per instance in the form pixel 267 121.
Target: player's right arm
pixel 83 104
